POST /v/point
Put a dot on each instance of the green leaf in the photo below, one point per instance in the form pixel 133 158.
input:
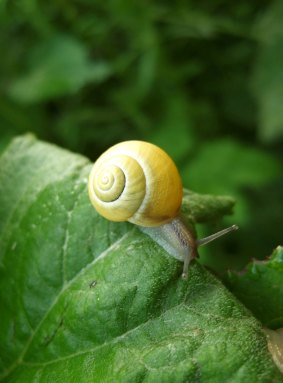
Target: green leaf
pixel 199 208
pixel 84 299
pixel 268 77
pixel 175 115
pixel 226 166
pixel 229 160
pixel 260 288
pixel 58 67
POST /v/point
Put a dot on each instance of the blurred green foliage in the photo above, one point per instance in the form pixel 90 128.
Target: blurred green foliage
pixel 201 79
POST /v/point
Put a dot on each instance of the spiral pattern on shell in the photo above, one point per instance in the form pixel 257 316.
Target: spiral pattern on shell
pixel 136 181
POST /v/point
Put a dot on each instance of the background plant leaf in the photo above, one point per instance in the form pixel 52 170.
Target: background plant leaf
pixel 200 208
pixel 260 288
pixel 84 299
pixel 58 66
pixel 234 166
pixel 268 78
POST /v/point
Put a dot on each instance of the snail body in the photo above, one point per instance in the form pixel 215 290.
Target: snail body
pixel 138 182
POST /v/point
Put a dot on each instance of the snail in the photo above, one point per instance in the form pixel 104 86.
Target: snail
pixel 138 182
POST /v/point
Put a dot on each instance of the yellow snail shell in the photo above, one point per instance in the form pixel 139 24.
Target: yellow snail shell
pixel 138 182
